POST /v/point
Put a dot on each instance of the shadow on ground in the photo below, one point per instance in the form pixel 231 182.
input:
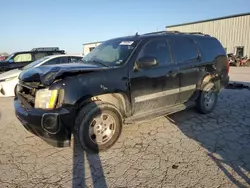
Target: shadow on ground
pixel 87 167
pixel 224 133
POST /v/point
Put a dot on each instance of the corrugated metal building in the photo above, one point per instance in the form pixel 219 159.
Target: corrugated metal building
pixel 87 47
pixel 233 31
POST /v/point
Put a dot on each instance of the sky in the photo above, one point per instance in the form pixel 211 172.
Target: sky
pixel 67 24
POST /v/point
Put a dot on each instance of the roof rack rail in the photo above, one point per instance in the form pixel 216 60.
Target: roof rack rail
pixel 197 33
pixel 176 32
pixel 46 49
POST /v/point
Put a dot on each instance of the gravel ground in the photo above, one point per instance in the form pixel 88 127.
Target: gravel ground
pixel 185 150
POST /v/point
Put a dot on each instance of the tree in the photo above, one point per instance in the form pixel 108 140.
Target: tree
pixel 4 54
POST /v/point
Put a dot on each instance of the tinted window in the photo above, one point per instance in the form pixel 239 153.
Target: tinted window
pixel 211 48
pixel 58 60
pixel 184 49
pixel 52 61
pixel 22 57
pixel 158 49
pixel 39 55
pixel 35 63
pixel 64 60
pixel 75 59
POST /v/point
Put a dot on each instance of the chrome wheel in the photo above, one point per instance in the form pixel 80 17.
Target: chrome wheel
pixel 209 99
pixel 102 128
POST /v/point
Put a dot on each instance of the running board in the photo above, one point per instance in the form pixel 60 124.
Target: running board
pixel 158 113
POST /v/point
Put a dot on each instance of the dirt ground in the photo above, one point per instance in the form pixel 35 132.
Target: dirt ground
pixel 185 150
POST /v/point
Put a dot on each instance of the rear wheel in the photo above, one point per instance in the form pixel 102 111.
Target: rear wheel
pixel 98 126
pixel 207 99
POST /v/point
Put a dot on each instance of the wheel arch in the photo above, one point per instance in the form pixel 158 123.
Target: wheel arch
pixel 119 100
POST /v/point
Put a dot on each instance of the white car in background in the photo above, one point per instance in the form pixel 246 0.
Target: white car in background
pixel 9 79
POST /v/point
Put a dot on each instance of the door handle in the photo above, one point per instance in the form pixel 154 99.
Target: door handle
pixel 171 74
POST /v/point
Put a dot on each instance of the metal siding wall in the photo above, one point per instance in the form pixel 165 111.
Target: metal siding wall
pixel 231 32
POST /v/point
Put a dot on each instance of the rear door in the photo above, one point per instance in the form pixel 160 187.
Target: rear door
pixel 187 57
pixel 156 87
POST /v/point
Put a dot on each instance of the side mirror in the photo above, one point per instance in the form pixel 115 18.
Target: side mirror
pixel 11 61
pixel 146 62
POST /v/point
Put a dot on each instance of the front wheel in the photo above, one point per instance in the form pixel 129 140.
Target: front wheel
pixel 207 99
pixel 98 126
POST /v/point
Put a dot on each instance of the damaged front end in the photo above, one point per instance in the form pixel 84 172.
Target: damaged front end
pixel 39 102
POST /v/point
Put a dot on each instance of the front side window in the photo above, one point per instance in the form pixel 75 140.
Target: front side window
pixel 34 63
pixel 58 60
pixel 184 49
pixel 22 57
pixel 158 49
pixel 113 52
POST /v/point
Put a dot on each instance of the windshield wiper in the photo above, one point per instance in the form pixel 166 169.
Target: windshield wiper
pixel 94 61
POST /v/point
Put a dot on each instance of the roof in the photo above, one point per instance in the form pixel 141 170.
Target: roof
pixel 62 55
pixel 155 34
pixel 208 20
pixel 34 51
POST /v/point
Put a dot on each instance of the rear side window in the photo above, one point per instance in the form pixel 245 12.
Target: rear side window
pixel 184 49
pixel 159 49
pixel 211 48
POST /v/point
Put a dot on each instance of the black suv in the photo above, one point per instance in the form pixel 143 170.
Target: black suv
pixel 23 58
pixel 123 80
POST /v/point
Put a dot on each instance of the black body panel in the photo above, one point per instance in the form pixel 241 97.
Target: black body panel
pixel 166 87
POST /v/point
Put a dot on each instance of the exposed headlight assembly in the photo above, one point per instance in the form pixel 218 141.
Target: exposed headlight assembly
pixel 46 99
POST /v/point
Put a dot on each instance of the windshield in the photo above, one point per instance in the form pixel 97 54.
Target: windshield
pixel 34 63
pixel 113 52
pixel 9 57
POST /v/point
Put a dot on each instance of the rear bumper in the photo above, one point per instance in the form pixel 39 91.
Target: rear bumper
pixel 37 122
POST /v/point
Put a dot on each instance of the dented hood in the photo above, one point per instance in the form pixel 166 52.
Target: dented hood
pixel 47 74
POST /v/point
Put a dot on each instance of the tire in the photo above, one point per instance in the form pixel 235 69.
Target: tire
pixel 203 101
pixel 85 126
pixel 15 93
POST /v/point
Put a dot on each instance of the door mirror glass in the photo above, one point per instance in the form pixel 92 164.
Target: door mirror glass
pixel 146 62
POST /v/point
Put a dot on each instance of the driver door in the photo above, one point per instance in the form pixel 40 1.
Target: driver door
pixel 158 86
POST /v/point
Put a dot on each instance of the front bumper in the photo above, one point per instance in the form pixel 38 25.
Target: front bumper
pixel 37 122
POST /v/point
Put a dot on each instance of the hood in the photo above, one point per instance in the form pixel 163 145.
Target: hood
pixel 48 73
pixel 9 74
